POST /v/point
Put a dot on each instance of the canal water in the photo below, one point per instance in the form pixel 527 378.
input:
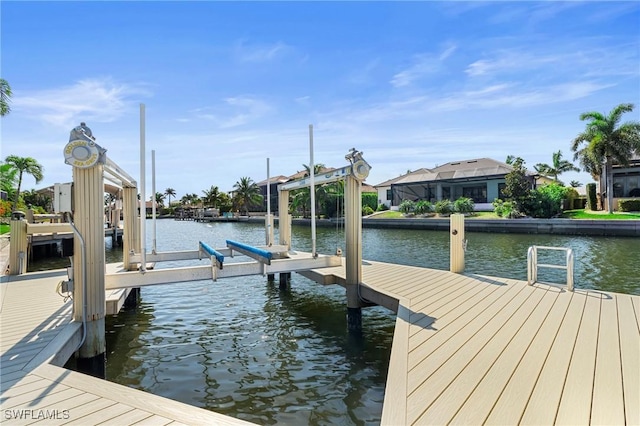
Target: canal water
pixel 245 348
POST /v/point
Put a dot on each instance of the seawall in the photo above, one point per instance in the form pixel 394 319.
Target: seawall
pixel 619 228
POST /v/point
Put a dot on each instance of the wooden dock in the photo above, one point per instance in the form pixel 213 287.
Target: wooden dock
pixel 37 337
pixel 471 349
pixel 467 349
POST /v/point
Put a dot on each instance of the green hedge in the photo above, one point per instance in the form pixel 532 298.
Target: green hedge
pixel 629 205
pixel 592 201
pixel 370 199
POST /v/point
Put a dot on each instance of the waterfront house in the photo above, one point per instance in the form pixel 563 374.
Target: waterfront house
pixel 481 179
pixel 626 181
pixel 278 180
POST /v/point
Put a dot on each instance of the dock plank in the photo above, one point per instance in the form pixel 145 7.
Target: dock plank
pixel 427 384
pixel 630 358
pixel 536 343
pixel 575 403
pixel 608 401
pixel 543 403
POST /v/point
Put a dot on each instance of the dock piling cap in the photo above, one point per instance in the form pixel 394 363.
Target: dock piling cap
pixel 17 215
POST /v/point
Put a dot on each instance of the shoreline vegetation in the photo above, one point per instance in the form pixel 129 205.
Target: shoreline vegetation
pixel 567 214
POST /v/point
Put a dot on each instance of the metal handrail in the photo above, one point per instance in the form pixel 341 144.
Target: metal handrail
pixel 533 265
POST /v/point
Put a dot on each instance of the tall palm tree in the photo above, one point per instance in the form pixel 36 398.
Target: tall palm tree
pixel 24 165
pixel 557 167
pixel 169 192
pixel 247 194
pixel 5 97
pixel 605 141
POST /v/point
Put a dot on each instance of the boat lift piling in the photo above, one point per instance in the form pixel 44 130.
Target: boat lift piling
pixel 353 174
pixel 86 203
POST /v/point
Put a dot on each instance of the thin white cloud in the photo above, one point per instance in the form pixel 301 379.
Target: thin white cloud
pixel 423 64
pixel 96 100
pixel 235 111
pixel 247 52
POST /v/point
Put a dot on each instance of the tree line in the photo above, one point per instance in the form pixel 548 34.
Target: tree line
pixel 603 143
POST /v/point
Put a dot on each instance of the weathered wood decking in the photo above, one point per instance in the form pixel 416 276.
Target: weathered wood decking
pixel 471 349
pixel 36 337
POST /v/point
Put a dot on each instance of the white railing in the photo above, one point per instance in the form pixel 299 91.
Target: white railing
pixel 533 265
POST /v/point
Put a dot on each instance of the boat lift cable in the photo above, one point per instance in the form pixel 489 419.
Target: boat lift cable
pixel 83 249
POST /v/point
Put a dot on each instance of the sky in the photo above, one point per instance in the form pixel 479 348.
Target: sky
pixel 227 85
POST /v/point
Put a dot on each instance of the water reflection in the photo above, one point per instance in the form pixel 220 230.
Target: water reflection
pixel 244 347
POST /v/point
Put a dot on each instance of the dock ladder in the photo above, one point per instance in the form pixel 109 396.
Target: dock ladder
pixel 533 265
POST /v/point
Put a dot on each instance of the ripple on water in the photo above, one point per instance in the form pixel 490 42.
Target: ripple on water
pixel 245 348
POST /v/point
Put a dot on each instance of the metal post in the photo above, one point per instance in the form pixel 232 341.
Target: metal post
pixel 269 218
pixel 456 243
pixel 353 231
pixel 88 217
pixel 312 172
pixel 143 200
pixel 153 203
pixel 131 240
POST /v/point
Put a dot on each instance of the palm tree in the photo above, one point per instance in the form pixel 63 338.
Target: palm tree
pixel 556 168
pixel 24 165
pixel 319 194
pixel 169 192
pixel 5 97
pixel 8 177
pixel 212 197
pixel 604 141
pixel 159 198
pixel 247 193
pixel 190 200
pixel 575 184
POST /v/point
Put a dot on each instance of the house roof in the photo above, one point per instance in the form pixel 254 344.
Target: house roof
pixel 479 167
pixel 396 179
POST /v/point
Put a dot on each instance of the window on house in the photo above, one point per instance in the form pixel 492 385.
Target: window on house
pixel 388 195
pixel 477 193
pixel 501 187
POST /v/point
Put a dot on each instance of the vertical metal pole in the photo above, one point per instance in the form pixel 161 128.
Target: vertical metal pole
pixel 153 203
pixel 313 193
pixel 570 261
pixel 143 199
pixel 456 243
pixel 131 237
pixel 269 218
pixel 353 231
pixel 89 221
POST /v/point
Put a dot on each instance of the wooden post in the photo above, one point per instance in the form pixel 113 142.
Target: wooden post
pixel 89 221
pixel 18 247
pixel 456 243
pixel 284 219
pixel 284 231
pixel 131 238
pixel 353 230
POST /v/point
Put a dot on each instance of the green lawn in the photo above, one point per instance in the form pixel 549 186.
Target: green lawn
pixel 4 228
pixel 600 215
pixel 569 214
